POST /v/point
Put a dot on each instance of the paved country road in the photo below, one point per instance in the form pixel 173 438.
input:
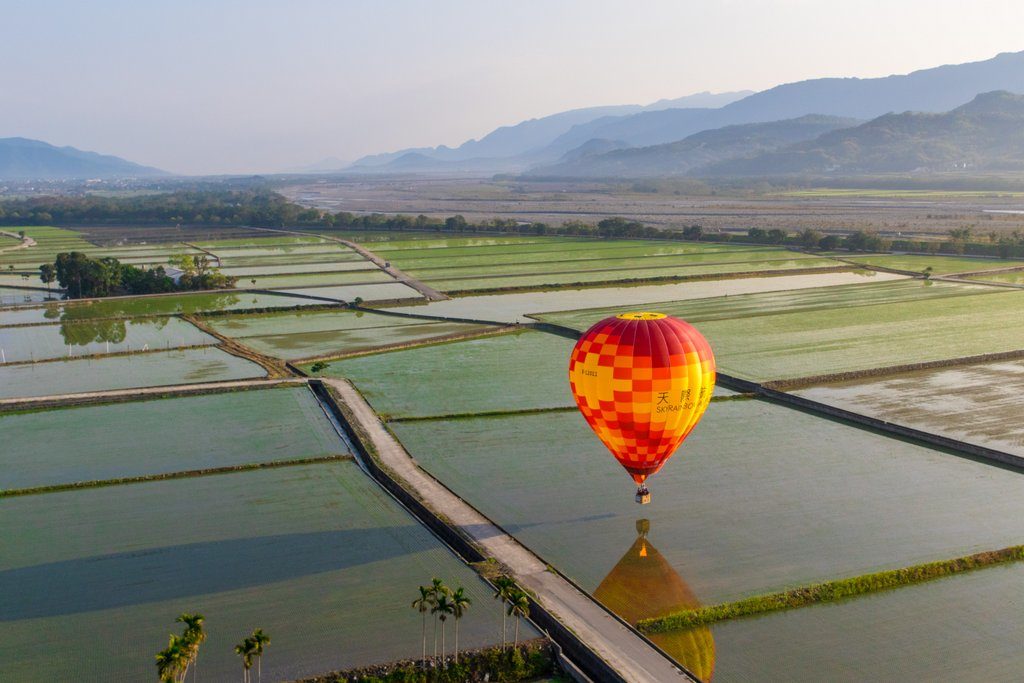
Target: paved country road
pixel 619 646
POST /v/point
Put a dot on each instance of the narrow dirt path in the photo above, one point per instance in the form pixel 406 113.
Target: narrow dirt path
pixel 618 645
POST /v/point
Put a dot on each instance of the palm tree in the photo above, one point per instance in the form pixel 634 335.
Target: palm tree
pixel 172 662
pixel 443 608
pixel 245 650
pixel 518 606
pixel 503 588
pixel 460 605
pixel 437 589
pixel 193 637
pixel 259 641
pixel 423 605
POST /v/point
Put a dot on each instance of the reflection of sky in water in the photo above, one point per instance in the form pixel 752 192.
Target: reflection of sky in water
pixel 643 585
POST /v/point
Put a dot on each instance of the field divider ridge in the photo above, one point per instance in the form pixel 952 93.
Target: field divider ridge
pixel 831 591
pixel 164 476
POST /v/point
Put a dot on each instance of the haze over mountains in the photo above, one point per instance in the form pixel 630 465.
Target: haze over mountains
pixel 578 133
pixel 24 159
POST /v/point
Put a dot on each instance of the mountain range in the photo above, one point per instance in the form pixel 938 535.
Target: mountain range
pixel 24 159
pixel 546 141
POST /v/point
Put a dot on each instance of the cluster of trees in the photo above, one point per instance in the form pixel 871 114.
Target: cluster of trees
pixel 173 662
pixel 441 602
pixel 85 277
pixel 182 652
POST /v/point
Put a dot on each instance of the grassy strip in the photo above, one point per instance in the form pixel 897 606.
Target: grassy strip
pixel 831 591
pixel 98 483
pixel 523 411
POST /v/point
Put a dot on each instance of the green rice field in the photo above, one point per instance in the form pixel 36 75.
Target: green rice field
pixel 841 329
pixel 317 556
pixel 760 498
pixel 940 265
pixel 313 279
pixel 974 403
pixel 556 262
pixel 516 307
pixel 323 333
pixel 385 291
pixel 965 628
pixel 573 277
pixel 90 338
pixel 505 372
pixel 164 368
pixel 100 442
pixel 134 307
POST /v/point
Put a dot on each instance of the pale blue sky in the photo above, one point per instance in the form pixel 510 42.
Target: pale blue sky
pixel 219 86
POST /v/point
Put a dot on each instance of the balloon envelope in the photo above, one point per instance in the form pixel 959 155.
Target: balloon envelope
pixel 642 381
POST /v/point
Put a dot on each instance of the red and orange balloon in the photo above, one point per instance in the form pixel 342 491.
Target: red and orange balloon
pixel 642 381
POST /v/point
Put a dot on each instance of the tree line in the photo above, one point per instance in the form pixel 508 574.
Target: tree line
pixel 83 277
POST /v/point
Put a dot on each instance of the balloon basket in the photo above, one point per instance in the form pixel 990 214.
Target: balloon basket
pixel 643 496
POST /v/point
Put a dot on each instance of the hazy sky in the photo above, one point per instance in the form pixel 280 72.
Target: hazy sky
pixel 218 86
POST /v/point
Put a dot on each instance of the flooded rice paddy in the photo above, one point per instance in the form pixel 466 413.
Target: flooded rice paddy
pixel 163 368
pixel 975 403
pixel 97 337
pixel 318 556
pixel 100 442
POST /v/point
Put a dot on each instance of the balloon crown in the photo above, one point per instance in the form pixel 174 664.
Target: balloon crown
pixel 641 315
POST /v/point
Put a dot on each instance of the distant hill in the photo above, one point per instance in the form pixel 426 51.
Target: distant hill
pixel 21 158
pixel 544 141
pixel 986 134
pixel 524 138
pixel 693 152
pixel 930 90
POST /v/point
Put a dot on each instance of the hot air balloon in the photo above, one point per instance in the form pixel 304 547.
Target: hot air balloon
pixel 642 381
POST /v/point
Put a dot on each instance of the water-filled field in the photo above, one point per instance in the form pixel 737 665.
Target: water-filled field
pixel 760 498
pixel 840 329
pixel 275 241
pixel 965 628
pixel 134 307
pixel 340 266
pixel 91 443
pixel 443 283
pixel 386 291
pixel 504 372
pixel 16 297
pixel 606 254
pixel 514 307
pixel 313 279
pixel 90 338
pixel 298 251
pixel 318 556
pixel 294 259
pixel 158 369
pixel 975 403
pixel 940 265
